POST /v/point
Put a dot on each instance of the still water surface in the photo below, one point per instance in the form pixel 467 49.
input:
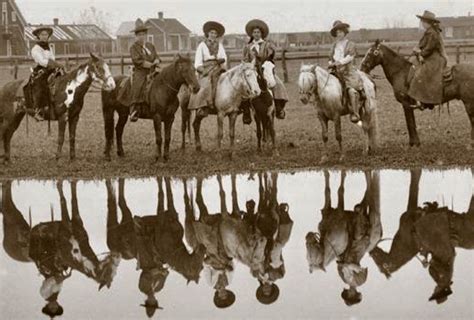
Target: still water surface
pixel 387 240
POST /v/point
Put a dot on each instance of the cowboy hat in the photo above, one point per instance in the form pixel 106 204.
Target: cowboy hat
pixel 338 25
pixel 38 30
pixel 151 305
pixel 256 23
pixel 351 296
pixel 140 27
pixel 428 16
pixel 226 302
pixel 213 25
pixel 268 298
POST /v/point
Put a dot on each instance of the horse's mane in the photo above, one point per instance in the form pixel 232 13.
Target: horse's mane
pixel 394 55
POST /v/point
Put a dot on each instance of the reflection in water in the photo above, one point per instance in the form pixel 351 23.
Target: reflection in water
pixel 193 236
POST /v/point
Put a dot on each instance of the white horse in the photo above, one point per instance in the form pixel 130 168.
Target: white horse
pixel 237 84
pixel 317 84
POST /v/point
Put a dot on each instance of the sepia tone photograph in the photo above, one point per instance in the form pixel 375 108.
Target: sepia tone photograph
pixel 237 159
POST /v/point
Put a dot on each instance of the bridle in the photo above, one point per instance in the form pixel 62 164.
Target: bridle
pixel 246 82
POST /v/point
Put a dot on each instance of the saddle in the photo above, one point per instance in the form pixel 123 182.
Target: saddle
pixel 124 94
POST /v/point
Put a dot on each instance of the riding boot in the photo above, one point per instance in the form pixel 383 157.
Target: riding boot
pixel 38 116
pixel 354 105
pixel 134 112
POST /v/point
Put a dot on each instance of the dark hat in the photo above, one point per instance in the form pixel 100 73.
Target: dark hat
pixel 38 30
pixel 338 25
pixel 351 296
pixel 151 305
pixel 213 25
pixel 48 310
pixel 268 299
pixel 226 302
pixel 256 23
pixel 428 16
pixel 140 27
pixel 441 294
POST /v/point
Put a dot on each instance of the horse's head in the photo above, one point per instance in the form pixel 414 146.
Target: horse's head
pixel 99 71
pixel 183 66
pixel 268 70
pixel 314 252
pixel 373 57
pixel 107 269
pixel 307 82
pixel 249 79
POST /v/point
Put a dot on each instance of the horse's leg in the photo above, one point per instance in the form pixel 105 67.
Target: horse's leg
pixel 324 134
pixel 197 128
pixel 122 120
pixel 470 112
pixel 271 128
pixel 232 119
pixel 108 114
pixel 258 123
pixel 168 125
pixel 61 132
pixel 157 126
pixel 3 140
pixel 72 137
pixel 185 119
pixel 8 134
pixel 411 125
pixel 337 128
pixel 220 129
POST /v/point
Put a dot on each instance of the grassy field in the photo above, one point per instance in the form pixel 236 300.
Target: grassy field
pixel 444 139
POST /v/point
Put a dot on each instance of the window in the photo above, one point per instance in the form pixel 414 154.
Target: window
pixel 4 6
pixel 66 48
pixel 9 48
pixel 448 32
pixel 13 16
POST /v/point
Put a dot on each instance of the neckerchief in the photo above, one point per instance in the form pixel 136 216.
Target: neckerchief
pixel 256 45
pixel 43 44
pixel 213 46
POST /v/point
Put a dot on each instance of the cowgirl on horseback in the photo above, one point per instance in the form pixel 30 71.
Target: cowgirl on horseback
pixel 426 87
pixel 45 65
pixel 341 63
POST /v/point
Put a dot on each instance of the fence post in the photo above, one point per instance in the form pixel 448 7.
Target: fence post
pixel 283 64
pixel 122 64
pixel 458 54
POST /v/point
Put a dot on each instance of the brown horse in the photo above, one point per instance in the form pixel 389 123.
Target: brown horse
pixel 163 103
pixel 396 69
pixel 67 98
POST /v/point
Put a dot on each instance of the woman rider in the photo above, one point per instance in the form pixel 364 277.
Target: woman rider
pixel 210 61
pixel 262 49
pixel 342 63
pixel 145 59
pixel 45 66
pixel 426 86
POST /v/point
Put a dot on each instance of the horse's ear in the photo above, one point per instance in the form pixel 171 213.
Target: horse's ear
pixel 94 57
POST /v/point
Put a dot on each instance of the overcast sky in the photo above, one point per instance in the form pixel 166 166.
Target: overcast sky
pixel 282 16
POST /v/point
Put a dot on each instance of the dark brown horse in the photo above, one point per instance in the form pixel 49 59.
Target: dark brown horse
pixel 67 98
pixel 396 69
pixel 163 103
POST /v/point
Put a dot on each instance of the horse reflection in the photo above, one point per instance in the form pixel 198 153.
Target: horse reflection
pixel 156 241
pixel 57 247
pixel 346 236
pixel 430 231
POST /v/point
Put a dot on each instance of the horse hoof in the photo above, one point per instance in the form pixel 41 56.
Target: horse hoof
pixel 108 157
pixel 199 149
pixel 166 158
pixel 121 154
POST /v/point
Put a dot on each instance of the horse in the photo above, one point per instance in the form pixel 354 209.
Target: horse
pixel 235 85
pixel 68 100
pixel 163 103
pixel 397 69
pixel 316 82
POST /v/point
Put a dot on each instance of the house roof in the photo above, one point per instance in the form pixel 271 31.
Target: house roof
pixel 71 32
pixel 125 29
pixel 18 12
pixel 457 21
pixel 169 25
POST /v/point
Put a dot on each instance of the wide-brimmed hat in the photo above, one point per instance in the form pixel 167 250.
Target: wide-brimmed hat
pixel 270 298
pixel 338 25
pixel 140 27
pixel 351 296
pixel 38 30
pixel 213 25
pixel 226 302
pixel 151 305
pixel 428 16
pixel 256 23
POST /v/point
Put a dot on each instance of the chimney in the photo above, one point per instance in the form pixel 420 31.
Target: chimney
pixel 160 15
pixel 56 21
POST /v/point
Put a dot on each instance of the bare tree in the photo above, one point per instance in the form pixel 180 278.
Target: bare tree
pixel 92 15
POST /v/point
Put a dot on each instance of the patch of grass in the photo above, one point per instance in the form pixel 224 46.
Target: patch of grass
pixel 444 139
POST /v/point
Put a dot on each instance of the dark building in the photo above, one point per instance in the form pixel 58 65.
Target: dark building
pixel 458 27
pixel 12 30
pixel 167 34
pixel 72 39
